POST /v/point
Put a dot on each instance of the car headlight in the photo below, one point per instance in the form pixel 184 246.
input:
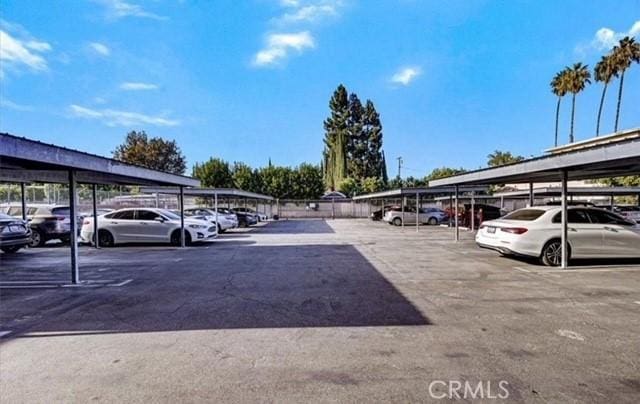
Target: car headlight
pixel 198 226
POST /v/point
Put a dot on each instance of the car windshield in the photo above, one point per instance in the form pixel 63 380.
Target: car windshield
pixel 525 214
pixel 6 217
pixel 170 214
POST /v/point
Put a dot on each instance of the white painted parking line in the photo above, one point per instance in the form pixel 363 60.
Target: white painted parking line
pixel 522 269
pixel 637 302
pixel 570 334
pixel 121 283
pixel 4 333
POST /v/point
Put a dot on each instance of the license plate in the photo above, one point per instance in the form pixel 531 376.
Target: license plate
pixel 491 229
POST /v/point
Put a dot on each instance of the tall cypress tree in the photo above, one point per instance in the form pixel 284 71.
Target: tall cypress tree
pixel 335 139
pixel 357 149
pixel 372 128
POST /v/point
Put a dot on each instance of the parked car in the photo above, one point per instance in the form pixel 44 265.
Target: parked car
pixel 377 215
pixel 482 213
pixel 628 212
pixel 536 232
pixel 431 216
pixel 146 225
pixel 225 222
pixel 47 222
pixel 260 216
pixel 14 233
pixel 245 219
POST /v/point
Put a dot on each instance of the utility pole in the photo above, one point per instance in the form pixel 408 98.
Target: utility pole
pixel 399 167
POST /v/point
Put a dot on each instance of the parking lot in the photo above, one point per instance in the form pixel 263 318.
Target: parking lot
pixel 299 310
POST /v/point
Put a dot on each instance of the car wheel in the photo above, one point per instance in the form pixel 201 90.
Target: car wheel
pixel 105 238
pixel 432 221
pixel 12 249
pixel 397 221
pixel 37 239
pixel 552 253
pixel 175 238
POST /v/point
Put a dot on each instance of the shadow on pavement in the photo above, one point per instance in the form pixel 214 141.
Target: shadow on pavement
pixel 227 288
pixel 296 226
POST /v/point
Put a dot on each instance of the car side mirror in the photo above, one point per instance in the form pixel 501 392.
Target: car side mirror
pixel 159 219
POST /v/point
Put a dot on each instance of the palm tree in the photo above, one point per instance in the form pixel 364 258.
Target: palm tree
pixel 604 71
pixel 625 53
pixel 559 88
pixel 578 78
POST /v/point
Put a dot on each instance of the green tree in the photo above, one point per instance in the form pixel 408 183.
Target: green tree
pixel 155 153
pixel 372 184
pixel 214 173
pixel 375 165
pixel 350 187
pixel 307 182
pixel 335 140
pixel 559 88
pixel 277 181
pixel 604 72
pixel 357 149
pixel 578 78
pixel 245 178
pixel 628 181
pixel 624 54
pixel 500 158
pixel 443 172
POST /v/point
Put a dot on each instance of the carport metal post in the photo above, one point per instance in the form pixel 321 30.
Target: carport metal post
pixel 182 235
pixel 403 201
pixel 530 194
pixel 215 209
pixel 23 201
pixel 612 201
pixel 455 220
pixel 73 228
pixel 473 212
pixel 417 211
pixel 564 234
pixel 95 214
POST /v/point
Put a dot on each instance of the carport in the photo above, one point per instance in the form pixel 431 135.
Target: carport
pixel 607 156
pixel 555 192
pixel 214 193
pixel 24 161
pixel 417 192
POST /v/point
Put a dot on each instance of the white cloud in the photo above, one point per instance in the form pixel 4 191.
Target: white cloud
pixel 6 103
pixel 112 117
pixel 135 86
pixel 289 3
pixel 406 75
pixel 119 9
pixel 100 49
pixel 18 50
pixel 279 45
pixel 606 38
pixel 309 13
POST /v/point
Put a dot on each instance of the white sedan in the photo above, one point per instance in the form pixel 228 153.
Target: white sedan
pixel 146 225
pixel 226 221
pixel 536 232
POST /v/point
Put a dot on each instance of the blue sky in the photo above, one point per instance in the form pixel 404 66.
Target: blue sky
pixel 248 80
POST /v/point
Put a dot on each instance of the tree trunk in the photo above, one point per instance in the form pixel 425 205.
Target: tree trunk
pixel 557 119
pixel 573 110
pixel 604 91
pixel 619 101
